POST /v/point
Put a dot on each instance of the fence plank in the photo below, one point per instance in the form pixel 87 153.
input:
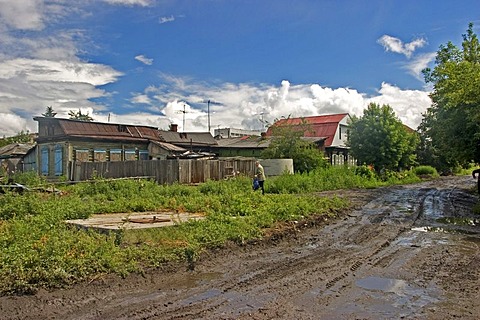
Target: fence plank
pixel 169 171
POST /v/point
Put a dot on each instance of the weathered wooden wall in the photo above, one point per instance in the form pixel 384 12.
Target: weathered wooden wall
pixel 164 171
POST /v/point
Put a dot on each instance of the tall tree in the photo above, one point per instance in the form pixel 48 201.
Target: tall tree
pixel 450 128
pixel 49 113
pixel 380 139
pixel 74 115
pixel 287 143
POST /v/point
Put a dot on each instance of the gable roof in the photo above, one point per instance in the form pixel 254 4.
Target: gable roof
pixel 324 126
pixel 100 130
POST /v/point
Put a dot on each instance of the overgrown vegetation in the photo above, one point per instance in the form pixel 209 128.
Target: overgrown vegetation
pixel 287 143
pixel 379 139
pixel 21 137
pixel 38 249
pixel 450 129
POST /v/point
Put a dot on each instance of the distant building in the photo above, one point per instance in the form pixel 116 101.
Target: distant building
pixel 329 132
pixel 225 133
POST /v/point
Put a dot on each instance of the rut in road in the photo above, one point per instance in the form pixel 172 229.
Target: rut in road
pixel 324 260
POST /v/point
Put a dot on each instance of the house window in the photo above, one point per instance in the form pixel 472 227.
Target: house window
pixel 99 155
pixel 143 154
pixel 130 155
pixel 82 155
pixel 115 154
pixel 50 130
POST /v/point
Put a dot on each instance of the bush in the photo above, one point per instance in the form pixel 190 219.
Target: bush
pixel 426 171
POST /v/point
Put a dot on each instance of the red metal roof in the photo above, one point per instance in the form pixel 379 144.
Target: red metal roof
pixel 321 126
pixel 331 118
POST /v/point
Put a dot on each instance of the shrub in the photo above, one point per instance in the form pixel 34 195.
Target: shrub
pixel 426 171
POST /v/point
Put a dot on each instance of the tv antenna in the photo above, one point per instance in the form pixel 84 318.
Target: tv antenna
pixel 262 115
pixel 183 111
pixel 210 102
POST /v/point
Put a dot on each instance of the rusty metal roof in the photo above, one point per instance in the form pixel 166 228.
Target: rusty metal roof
pixel 100 130
pixel 188 138
pixel 168 146
pixel 15 150
pixel 247 142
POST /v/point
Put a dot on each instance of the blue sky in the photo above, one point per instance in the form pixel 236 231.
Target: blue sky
pixel 145 61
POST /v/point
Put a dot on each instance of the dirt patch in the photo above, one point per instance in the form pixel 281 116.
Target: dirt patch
pixel 409 252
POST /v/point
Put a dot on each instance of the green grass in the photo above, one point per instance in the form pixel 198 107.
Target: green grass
pixel 37 249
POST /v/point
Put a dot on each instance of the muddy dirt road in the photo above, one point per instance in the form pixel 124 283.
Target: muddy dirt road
pixel 404 252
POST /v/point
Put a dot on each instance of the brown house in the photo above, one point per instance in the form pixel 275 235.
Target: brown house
pixel 62 142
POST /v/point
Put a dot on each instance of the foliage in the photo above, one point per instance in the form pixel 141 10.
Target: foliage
pixel 380 139
pixel 21 137
pixel 287 143
pixel 426 171
pixel 78 115
pixel 450 128
pixel 49 113
pixel 365 171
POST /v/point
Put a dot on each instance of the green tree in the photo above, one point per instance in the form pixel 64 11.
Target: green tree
pixel 287 143
pixel 380 139
pixel 21 137
pixel 49 113
pixel 74 115
pixel 450 128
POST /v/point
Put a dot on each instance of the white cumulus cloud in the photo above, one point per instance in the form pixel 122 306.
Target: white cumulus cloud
pixel 250 106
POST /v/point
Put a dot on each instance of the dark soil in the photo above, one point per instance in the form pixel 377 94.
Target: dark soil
pixel 404 252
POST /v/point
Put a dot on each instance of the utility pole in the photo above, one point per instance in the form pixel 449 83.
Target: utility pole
pixel 184 111
pixel 210 102
pixel 208 112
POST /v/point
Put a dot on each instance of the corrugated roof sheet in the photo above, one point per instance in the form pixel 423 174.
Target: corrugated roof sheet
pixel 244 142
pixel 187 138
pixel 169 146
pixel 15 149
pixel 100 130
pixel 84 128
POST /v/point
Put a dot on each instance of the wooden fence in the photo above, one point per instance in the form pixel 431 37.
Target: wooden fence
pixel 164 171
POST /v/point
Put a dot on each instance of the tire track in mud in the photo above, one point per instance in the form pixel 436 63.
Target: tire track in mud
pixel 310 275
pixel 313 259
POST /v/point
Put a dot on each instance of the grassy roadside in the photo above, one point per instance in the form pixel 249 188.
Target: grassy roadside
pixel 37 249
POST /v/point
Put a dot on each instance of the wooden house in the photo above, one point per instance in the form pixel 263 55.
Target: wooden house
pixel 63 142
pixel 329 132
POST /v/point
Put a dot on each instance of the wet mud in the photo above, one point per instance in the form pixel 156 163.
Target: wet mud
pixel 403 252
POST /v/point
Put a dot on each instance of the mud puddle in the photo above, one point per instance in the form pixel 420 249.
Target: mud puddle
pixel 410 252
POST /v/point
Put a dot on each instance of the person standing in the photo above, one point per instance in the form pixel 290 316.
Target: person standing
pixel 260 175
pixel 477 172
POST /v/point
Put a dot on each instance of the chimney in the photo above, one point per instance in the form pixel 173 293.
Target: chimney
pixel 173 127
